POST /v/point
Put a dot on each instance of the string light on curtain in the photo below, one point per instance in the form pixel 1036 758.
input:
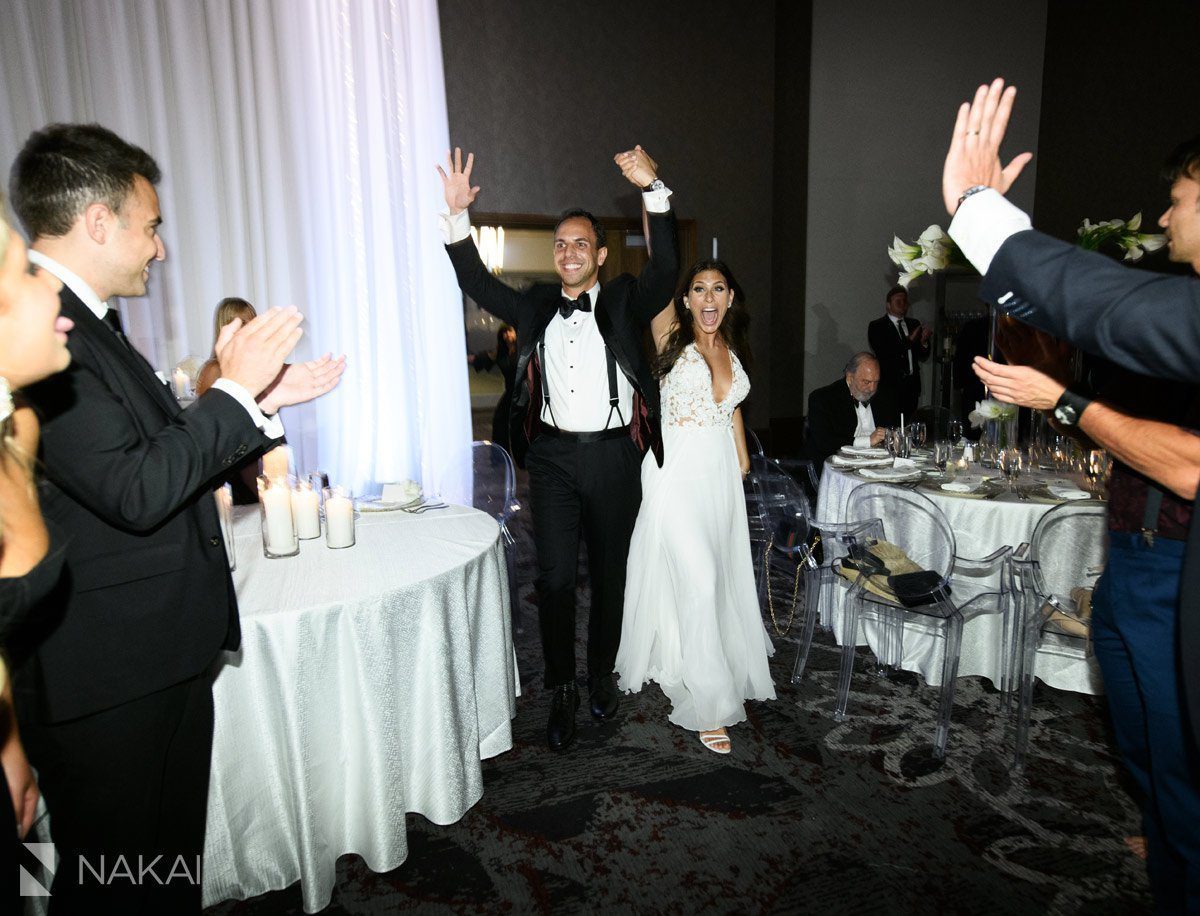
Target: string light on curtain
pixel 490 242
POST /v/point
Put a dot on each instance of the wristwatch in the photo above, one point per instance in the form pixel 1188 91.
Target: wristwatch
pixel 974 189
pixel 655 185
pixel 1070 407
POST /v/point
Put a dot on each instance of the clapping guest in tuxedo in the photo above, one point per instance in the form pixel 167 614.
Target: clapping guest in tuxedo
pixel 504 357
pixel 841 413
pixel 1144 625
pixel 113 684
pixel 901 344
pixel 589 405
pixel 33 345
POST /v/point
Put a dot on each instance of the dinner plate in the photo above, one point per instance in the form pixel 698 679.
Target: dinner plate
pixel 857 451
pixel 379 504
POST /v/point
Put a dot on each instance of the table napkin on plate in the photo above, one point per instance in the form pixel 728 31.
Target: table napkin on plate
pixel 889 474
pixel 1066 491
pixel 844 461
pixel 863 451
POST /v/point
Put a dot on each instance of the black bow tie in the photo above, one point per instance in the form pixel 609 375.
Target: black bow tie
pixel 567 306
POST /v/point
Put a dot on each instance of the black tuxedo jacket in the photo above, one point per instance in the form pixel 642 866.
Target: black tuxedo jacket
pixel 832 420
pixel 146 600
pixel 624 310
pixel 892 352
pixel 1148 323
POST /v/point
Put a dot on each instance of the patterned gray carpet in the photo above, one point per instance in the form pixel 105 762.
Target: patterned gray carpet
pixel 806 815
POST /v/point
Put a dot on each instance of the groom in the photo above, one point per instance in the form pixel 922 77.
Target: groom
pixel 585 409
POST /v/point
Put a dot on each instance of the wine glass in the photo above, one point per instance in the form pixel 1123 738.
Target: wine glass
pixel 918 434
pixel 941 454
pixel 1097 469
pixel 956 431
pixel 1011 460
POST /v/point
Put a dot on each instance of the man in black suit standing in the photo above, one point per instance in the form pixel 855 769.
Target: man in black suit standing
pixel 587 407
pixel 113 682
pixel 1149 324
pixel 901 345
pixel 841 414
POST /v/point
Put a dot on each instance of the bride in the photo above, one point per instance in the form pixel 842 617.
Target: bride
pixel 691 619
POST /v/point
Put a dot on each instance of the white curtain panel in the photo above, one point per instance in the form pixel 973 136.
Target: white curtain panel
pixel 298 140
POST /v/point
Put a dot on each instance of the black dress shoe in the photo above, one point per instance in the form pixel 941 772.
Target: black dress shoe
pixel 603 696
pixel 560 730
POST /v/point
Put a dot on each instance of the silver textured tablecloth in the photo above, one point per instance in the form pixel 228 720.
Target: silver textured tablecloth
pixel 980 528
pixel 370 683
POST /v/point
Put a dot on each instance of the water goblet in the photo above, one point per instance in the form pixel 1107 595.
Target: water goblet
pixel 1010 464
pixel 941 454
pixel 918 431
pixel 956 431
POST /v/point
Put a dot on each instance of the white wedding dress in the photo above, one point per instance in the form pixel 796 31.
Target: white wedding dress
pixel 691 619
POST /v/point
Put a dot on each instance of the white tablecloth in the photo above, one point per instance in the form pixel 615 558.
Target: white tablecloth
pixel 370 683
pixel 980 528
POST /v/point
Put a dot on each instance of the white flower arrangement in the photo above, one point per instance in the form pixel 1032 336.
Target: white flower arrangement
pixel 932 251
pixel 1123 234
pixel 991 409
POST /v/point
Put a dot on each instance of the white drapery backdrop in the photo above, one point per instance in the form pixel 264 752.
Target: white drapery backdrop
pixel 297 140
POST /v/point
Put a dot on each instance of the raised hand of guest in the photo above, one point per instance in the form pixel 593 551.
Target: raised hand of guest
pixel 300 382
pixel 457 184
pixel 1023 385
pixel 637 166
pixel 252 355
pixel 974 155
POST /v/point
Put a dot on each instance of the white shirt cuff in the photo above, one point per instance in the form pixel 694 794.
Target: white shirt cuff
pixel 657 201
pixel 983 223
pixel 455 226
pixel 272 427
pixel 862 441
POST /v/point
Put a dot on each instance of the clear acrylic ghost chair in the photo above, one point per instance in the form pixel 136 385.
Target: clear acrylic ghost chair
pixel 494 491
pixel 960 589
pixel 833 541
pixel 1067 552
pixel 784 513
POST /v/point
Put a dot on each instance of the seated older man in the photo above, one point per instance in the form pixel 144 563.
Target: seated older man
pixel 840 413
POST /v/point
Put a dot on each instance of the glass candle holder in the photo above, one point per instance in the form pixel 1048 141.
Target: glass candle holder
pixel 276 463
pixel 306 511
pixel 278 525
pixel 319 481
pixel 224 498
pixel 339 518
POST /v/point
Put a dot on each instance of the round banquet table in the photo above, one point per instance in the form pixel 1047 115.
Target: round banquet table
pixel 980 528
pixel 370 683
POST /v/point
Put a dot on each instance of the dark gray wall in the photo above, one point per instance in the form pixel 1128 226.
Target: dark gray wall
pixel 1103 137
pixel 545 93
pixel 886 80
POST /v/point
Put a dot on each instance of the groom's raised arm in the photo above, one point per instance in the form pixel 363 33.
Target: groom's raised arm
pixel 656 282
pixel 474 278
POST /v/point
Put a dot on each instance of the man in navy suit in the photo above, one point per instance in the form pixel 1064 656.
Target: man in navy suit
pixel 112 681
pixel 1148 324
pixel 901 344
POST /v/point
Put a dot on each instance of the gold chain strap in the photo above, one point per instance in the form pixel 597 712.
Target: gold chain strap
pixel 795 589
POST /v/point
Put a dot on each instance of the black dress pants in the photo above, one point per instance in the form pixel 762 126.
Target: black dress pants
pixel 124 786
pixel 593 489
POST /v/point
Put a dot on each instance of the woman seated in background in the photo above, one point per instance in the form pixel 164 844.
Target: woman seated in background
pixel 244 478
pixel 504 357
pixel 33 345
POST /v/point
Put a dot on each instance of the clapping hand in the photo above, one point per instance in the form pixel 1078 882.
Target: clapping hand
pixel 974 155
pixel 637 166
pixel 457 185
pixel 252 355
pixel 300 382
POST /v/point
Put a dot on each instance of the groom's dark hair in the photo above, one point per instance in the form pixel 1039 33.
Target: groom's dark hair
pixel 65 168
pixel 583 214
pixel 1184 161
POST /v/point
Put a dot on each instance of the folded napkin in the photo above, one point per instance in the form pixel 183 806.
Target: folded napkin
pixel 862 451
pixel 841 461
pixel 956 487
pixel 1066 491
pixel 891 474
pixel 906 464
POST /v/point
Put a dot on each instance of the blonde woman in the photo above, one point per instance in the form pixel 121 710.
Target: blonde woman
pixel 227 310
pixel 33 339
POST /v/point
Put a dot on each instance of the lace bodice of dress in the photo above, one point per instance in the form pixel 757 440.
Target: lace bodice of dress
pixel 687 392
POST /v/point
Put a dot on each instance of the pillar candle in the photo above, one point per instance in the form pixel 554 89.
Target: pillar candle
pixel 339 520
pixel 306 509
pixel 278 527
pixel 181 382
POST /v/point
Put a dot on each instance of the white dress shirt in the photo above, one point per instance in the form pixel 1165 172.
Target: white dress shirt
pixel 866 424
pixel 576 369
pixel 983 223
pixel 271 426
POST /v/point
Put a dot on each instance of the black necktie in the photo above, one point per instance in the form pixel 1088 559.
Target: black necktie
pixel 112 318
pixel 567 306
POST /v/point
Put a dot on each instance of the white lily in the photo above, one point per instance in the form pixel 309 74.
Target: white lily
pixel 991 409
pixel 902 254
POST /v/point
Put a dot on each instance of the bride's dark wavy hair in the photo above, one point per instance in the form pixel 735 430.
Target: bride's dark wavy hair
pixel 734 329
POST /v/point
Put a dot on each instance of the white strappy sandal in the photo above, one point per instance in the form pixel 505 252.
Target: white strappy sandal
pixel 714 739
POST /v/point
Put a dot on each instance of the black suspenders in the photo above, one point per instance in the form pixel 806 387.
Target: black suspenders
pixel 613 400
